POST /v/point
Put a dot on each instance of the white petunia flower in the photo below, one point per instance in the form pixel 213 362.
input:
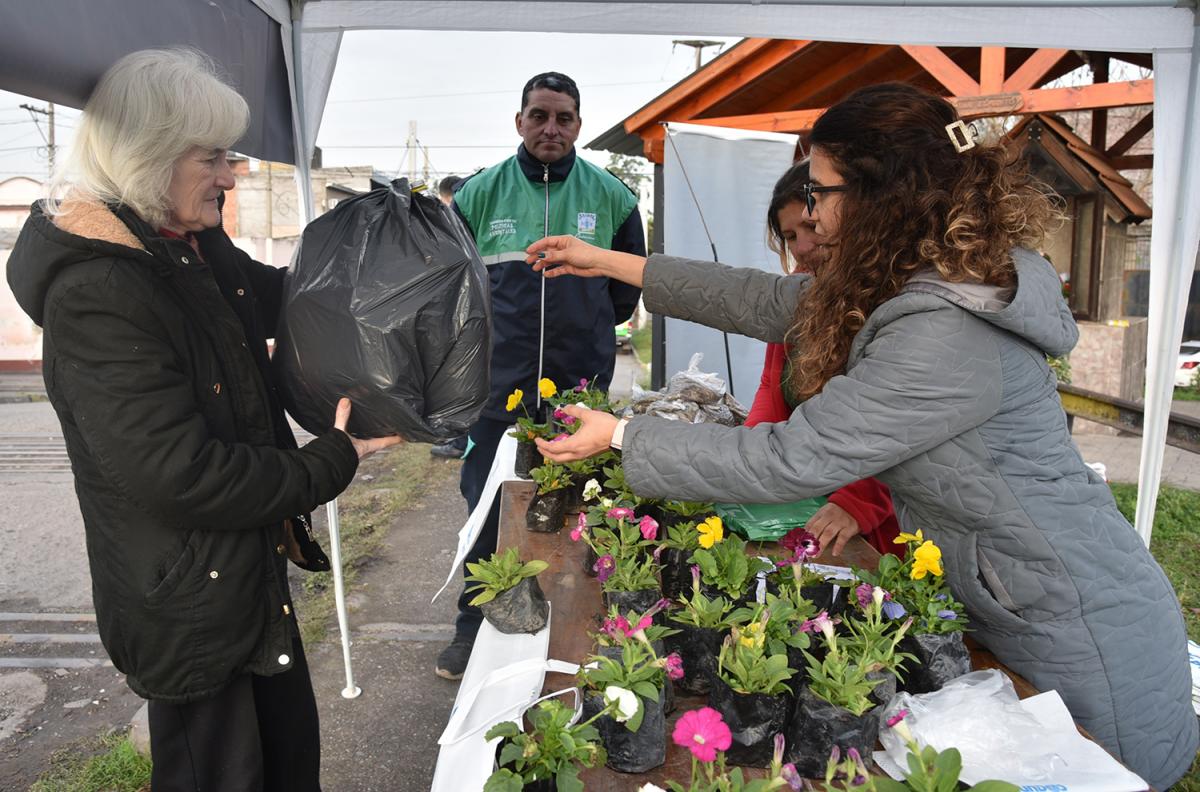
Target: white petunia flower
pixel 591 489
pixel 626 701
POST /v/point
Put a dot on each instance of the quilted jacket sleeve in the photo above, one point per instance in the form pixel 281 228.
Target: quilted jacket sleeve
pixel 138 412
pixel 746 301
pixel 924 378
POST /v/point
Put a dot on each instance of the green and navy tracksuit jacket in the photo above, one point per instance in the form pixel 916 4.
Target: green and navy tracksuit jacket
pixel 509 207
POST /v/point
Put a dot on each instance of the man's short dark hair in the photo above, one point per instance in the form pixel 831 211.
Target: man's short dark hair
pixel 551 81
pixel 446 186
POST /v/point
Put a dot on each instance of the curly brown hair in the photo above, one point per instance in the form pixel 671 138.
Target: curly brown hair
pixel 913 202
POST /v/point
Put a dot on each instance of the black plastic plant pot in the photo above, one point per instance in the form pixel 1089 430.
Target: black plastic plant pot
pixel 521 609
pixel 631 752
pixel 799 663
pixel 638 601
pixel 743 600
pixel 698 648
pixel 614 653
pixel 528 457
pixel 540 785
pixel 940 658
pixel 882 693
pixel 817 726
pixel 822 595
pixel 676 573
pixel 547 512
pixel 575 502
pixel 753 719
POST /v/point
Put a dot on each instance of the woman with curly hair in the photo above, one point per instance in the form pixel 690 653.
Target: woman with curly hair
pixel 919 357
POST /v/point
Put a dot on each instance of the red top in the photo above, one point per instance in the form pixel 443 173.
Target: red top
pixel 868 501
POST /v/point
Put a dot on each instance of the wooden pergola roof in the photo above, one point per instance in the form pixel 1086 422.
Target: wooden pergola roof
pixel 783 85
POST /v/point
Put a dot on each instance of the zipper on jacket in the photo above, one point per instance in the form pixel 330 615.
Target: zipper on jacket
pixel 542 311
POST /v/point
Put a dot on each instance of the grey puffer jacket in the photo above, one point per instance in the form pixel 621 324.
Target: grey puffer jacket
pixel 948 400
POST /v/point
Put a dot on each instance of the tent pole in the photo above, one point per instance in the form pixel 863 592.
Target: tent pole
pixel 1166 315
pixel 304 144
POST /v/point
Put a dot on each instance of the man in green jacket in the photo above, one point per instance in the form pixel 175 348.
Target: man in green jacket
pixel 560 329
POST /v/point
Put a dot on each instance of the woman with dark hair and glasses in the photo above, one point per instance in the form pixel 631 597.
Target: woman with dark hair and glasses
pixel 862 507
pixel 919 356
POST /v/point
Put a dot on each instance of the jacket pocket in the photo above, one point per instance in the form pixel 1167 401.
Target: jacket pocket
pixel 976 573
pixel 178 572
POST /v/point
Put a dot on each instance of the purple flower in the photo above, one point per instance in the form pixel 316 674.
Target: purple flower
pixel 619 513
pixel 674 666
pixel 649 528
pixel 941 597
pixel 582 386
pixel 893 609
pixel 947 614
pixel 801 543
pixel 863 593
pixel 580 528
pixel 789 774
pixel 604 567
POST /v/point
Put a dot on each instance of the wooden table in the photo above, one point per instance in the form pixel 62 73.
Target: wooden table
pixel 577 608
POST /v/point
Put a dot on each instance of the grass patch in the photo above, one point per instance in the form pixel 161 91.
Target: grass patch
pixel 104 764
pixel 1187 394
pixel 1175 544
pixel 365 511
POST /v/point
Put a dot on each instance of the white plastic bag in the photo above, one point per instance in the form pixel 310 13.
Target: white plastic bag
pixel 1031 743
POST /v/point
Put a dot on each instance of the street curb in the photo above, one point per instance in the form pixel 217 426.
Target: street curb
pixel 139 730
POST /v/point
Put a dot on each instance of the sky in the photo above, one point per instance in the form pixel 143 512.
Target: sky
pixel 461 89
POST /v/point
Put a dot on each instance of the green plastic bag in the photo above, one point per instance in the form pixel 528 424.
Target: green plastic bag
pixel 767 522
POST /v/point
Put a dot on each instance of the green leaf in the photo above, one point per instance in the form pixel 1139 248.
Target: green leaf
pixel 883 784
pixel 503 729
pixel 994 786
pixel 646 690
pixel 487 595
pixel 531 568
pixel 567 779
pixel 504 781
pixel 510 753
pixel 948 763
pixel 635 723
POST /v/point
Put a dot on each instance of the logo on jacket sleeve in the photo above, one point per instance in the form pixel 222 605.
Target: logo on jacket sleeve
pixel 587 225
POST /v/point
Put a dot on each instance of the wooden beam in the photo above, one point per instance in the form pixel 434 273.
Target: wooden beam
pixel 1135 133
pixel 1033 69
pixel 859 58
pixel 1057 100
pixel 947 72
pixel 783 121
pixel 991 70
pixel 1133 162
pixel 653 150
pixel 1099 115
pixel 715 83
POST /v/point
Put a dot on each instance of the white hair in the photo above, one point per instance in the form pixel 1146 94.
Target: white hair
pixel 148 110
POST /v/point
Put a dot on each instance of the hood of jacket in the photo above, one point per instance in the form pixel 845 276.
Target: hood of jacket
pixel 1034 311
pixel 46 246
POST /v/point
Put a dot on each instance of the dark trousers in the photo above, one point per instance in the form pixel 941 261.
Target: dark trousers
pixel 486 434
pixel 259 734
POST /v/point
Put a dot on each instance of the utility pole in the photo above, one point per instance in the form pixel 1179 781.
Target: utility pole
pixel 699 45
pixel 47 111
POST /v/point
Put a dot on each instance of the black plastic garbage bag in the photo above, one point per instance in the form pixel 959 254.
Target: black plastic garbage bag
pixel 386 303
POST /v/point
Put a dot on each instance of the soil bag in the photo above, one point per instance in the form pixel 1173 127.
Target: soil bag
pixel 521 609
pixel 753 719
pixel 631 752
pixel 387 303
pixel 940 658
pixel 816 726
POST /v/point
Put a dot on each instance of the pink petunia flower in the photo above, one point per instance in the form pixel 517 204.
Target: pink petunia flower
pixel 558 437
pixel 649 528
pixel 702 732
pixel 900 715
pixel 791 775
pixel 863 594
pixel 619 513
pixel 580 528
pixel 604 567
pixel 674 666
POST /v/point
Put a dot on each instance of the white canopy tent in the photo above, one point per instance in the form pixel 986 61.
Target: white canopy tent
pixel 310 34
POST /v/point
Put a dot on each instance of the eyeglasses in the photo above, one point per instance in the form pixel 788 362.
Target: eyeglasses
pixel 812 188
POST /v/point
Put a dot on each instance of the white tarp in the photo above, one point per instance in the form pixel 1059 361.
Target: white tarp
pixel 731 174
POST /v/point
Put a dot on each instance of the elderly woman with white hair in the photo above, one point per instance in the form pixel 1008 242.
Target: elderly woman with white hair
pixel 193 492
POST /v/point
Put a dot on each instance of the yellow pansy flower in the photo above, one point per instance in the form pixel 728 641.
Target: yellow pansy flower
pixel 927 558
pixel 711 531
pixel 514 399
pixel 752 636
pixel 904 538
pixel 547 388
